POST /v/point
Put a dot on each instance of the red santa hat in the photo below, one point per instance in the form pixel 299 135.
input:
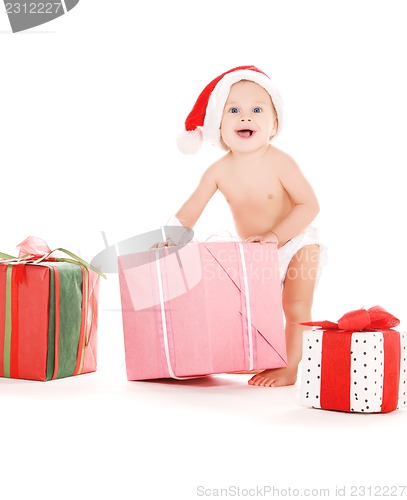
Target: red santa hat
pixel 203 122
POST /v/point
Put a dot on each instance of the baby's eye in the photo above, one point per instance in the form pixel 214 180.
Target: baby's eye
pixel 257 110
pixel 233 110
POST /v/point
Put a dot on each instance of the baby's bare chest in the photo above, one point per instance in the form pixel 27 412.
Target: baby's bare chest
pixel 254 188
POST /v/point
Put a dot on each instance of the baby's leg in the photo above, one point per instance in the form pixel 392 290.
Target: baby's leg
pixel 298 293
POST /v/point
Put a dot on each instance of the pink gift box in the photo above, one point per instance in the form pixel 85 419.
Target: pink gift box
pixel 202 309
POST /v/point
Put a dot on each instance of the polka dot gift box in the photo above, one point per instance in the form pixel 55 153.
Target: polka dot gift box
pixel 355 365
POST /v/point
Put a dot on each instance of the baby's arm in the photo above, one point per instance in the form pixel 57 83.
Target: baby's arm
pixel 302 196
pixel 192 209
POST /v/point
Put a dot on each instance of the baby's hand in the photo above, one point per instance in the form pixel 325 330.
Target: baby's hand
pixel 167 243
pixel 268 237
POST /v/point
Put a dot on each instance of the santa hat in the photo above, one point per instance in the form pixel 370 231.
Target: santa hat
pixel 203 122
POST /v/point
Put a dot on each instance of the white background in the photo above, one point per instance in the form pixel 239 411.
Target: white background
pixel 91 105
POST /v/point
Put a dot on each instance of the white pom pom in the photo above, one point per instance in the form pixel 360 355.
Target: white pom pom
pixel 190 142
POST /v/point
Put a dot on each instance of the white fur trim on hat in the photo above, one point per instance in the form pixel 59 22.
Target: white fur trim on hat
pixel 190 142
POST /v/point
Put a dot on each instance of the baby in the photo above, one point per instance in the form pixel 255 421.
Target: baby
pixel 270 199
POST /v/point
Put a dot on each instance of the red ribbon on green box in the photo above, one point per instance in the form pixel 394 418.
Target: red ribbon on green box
pixel 48 314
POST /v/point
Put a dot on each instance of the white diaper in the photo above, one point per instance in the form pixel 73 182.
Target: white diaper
pixel 308 237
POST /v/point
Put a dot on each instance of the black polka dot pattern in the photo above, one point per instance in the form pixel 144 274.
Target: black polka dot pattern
pixel 311 368
pixel 403 371
pixel 367 370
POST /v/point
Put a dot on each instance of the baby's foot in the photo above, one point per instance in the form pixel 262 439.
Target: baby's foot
pixel 277 377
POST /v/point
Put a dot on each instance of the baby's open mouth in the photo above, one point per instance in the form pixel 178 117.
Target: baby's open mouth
pixel 245 133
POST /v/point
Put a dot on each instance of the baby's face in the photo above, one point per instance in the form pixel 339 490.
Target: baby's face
pixel 249 119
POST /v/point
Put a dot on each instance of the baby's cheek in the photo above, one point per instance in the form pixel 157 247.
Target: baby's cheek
pixel 224 137
pixel 223 142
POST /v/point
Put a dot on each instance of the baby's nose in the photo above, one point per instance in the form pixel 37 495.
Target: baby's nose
pixel 245 118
